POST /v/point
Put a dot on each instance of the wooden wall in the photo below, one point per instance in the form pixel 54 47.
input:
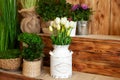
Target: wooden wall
pixel 106 17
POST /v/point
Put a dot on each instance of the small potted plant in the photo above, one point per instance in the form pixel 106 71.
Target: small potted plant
pixel 32 54
pixel 30 22
pixel 8 57
pixel 81 14
pixel 50 9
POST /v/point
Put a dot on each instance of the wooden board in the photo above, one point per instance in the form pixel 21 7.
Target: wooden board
pixel 93 55
pixel 9 76
pixel 115 17
pixel 96 56
pixel 45 75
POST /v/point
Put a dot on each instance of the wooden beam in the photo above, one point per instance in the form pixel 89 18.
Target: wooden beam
pixel 9 76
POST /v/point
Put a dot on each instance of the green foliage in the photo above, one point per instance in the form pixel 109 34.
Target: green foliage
pixel 50 9
pixel 34 48
pixel 78 12
pixel 10 54
pixel 61 38
pixel 8 24
pixel 28 3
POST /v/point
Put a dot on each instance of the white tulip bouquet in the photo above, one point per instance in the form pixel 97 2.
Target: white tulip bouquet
pixel 61 29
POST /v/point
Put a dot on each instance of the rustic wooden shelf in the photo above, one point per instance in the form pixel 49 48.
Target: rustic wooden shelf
pixel 99 54
pixel 45 75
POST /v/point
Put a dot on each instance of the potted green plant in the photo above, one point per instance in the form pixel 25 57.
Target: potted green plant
pixel 32 54
pixel 81 13
pixel 30 22
pixel 8 24
pixel 8 57
pixel 50 9
pixel 8 34
pixel 61 56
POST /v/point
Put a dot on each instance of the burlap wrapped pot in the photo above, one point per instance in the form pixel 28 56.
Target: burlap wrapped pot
pixel 30 22
pixel 31 68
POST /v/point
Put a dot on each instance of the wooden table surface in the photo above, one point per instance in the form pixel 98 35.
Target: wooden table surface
pixel 45 75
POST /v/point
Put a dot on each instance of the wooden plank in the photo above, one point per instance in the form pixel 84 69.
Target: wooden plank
pixel 101 17
pixel 96 68
pixel 45 75
pixel 8 76
pixel 115 17
pixel 73 1
pixel 103 55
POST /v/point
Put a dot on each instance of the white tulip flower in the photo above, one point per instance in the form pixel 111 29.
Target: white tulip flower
pixel 51 23
pixel 50 28
pixel 54 24
pixel 67 24
pixel 63 20
pixel 57 20
pixel 58 26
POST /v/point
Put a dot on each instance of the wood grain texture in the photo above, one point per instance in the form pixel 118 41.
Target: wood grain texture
pixel 96 56
pixel 73 1
pixel 100 19
pixel 99 56
pixel 8 76
pixel 46 76
pixel 115 17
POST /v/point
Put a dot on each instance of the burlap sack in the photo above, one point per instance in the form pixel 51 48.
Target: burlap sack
pixel 30 23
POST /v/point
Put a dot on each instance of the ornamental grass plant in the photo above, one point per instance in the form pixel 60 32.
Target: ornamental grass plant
pixel 26 4
pixel 8 24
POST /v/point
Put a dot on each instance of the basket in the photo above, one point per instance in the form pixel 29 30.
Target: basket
pixel 31 68
pixel 10 64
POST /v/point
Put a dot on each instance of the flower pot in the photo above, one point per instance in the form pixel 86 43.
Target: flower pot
pixel 45 27
pixel 10 64
pixel 82 27
pixel 31 68
pixel 61 62
pixel 73 31
pixel 30 22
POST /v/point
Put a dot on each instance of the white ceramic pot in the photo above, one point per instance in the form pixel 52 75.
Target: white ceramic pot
pixel 31 68
pixel 73 31
pixel 61 62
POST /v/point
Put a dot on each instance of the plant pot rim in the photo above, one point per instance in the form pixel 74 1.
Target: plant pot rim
pixel 10 58
pixel 33 60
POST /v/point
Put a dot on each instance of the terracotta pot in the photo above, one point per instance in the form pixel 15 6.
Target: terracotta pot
pixel 10 64
pixel 31 68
